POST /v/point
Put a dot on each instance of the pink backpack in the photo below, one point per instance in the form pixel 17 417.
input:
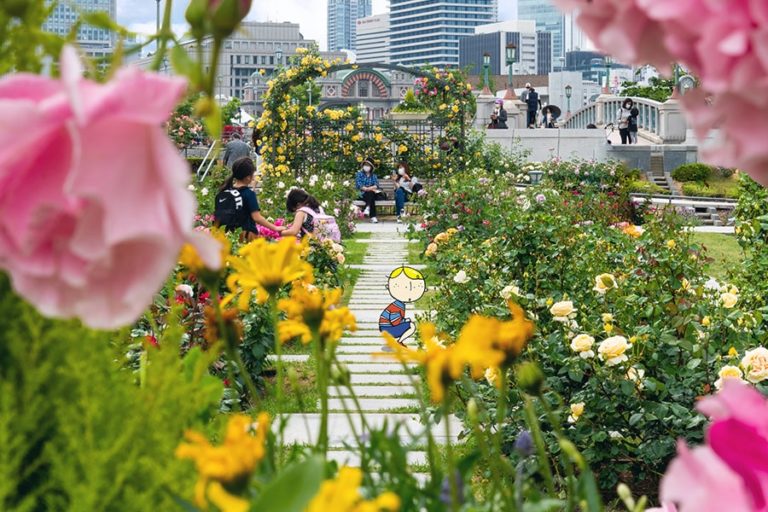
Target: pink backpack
pixel 325 227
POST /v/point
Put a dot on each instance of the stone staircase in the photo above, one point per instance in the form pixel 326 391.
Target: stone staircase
pixel 384 388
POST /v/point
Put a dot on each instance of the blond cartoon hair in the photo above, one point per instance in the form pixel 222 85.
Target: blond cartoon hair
pixel 410 272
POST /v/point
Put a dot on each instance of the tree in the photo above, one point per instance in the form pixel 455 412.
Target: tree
pixel 231 111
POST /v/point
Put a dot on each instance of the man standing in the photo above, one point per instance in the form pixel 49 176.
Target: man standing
pixel 235 150
pixel 534 104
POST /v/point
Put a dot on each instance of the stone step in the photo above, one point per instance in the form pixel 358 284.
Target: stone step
pixel 387 379
pixel 352 459
pixel 365 358
pixel 383 268
pixel 302 428
pixel 290 358
pixel 372 404
pixel 359 349
pixel 378 390
pixel 383 368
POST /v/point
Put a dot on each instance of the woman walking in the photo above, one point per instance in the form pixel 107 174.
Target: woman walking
pixel 622 119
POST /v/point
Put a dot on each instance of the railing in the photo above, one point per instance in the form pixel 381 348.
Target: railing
pixel 662 123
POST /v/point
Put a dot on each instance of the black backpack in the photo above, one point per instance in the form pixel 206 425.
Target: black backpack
pixel 230 209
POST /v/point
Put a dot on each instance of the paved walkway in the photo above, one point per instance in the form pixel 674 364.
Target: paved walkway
pixel 382 385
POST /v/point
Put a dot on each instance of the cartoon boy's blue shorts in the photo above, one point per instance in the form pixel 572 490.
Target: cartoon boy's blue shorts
pixel 396 330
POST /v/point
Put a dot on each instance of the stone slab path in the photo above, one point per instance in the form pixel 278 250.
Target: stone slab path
pixel 384 387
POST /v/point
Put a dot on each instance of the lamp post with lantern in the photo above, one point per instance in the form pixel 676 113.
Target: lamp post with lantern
pixel 568 92
pixel 279 57
pixel 511 56
pixel 486 80
pixel 608 63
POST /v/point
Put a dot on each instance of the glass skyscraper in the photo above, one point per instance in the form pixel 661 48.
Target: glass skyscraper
pixel 342 22
pixel 548 19
pixel 428 31
pixel 96 42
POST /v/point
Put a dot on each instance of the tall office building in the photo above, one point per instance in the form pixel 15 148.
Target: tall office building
pixel 548 18
pixel 533 49
pixel 97 42
pixel 342 22
pixel 373 38
pixel 428 31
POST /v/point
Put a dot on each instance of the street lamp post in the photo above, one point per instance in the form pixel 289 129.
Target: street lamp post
pixel 309 91
pixel 486 81
pixel 608 62
pixel 279 56
pixel 568 92
pixel 511 55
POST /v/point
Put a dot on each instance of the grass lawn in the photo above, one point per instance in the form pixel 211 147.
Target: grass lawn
pixel 304 398
pixel 354 249
pixel 724 251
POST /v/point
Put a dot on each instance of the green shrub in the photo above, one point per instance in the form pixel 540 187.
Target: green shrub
pixel 79 431
pixel 698 189
pixel 410 104
pixel 692 172
pixel 646 187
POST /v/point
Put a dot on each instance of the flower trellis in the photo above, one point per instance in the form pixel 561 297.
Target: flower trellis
pixel 299 136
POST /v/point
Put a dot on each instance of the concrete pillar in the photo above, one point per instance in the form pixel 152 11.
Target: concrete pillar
pixel 672 124
pixel 485 104
pixel 517 113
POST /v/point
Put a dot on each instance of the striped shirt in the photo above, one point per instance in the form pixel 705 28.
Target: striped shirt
pixel 392 314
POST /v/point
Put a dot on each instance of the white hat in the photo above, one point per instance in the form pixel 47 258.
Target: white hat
pixel 527 84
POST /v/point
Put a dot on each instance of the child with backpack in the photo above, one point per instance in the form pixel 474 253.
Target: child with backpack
pixel 309 218
pixel 237 206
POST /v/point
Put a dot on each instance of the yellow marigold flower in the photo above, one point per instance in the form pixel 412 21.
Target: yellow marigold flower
pixel 310 309
pixel 442 363
pixel 224 501
pixel 234 460
pixel 266 267
pixel 342 494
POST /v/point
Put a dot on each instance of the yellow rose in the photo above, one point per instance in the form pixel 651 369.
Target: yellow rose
pixel 561 310
pixel 671 244
pixel 612 350
pixel 706 321
pixel 431 249
pixel 455 109
pixel 550 301
pixel 755 364
pixel 604 282
pixel 441 237
pixel 577 410
pixel 583 345
pixel 493 377
pixel 728 372
pixel 729 300
pixel 732 352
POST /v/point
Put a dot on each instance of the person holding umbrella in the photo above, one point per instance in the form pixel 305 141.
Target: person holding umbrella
pixel 550 113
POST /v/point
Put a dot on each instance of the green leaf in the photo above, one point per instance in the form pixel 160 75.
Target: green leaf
pixel 544 505
pixel 293 489
pixel 588 488
pixel 635 419
pixel 627 387
pixel 693 364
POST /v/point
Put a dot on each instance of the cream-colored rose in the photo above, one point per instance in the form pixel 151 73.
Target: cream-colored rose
pixel 607 318
pixel 604 282
pixel 755 364
pixel 583 345
pixel 636 375
pixel 561 310
pixel 577 410
pixel 612 350
pixel 341 258
pixel 728 372
pixel 431 249
pixel 460 277
pixel 729 300
pixel 337 247
pixel 441 237
pixel 493 377
pixel 509 291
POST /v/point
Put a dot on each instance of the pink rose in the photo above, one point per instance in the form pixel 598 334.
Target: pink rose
pixel 731 471
pixel 94 205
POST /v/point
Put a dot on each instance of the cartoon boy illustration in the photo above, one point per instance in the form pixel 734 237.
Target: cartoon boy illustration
pixel 406 284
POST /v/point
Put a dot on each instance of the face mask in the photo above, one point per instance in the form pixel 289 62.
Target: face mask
pixel 367 168
pixel 401 171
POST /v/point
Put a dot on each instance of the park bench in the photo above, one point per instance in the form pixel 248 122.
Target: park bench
pixel 388 205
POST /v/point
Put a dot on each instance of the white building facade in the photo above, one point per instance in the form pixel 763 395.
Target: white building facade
pixel 373 39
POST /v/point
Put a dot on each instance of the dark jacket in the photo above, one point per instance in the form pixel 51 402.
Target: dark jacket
pixel 533 101
pixel 235 150
pixel 502 119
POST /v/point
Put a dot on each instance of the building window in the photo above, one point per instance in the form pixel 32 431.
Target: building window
pixel 362 88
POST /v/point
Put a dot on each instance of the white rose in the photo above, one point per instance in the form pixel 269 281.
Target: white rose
pixel 561 310
pixel 280 185
pixel 755 364
pixel 185 289
pixel 204 191
pixel 191 187
pixel 346 183
pixel 728 372
pixel 583 345
pixel 607 318
pixel 460 277
pixel 612 350
pixel 604 282
pixel 712 284
pixel 509 291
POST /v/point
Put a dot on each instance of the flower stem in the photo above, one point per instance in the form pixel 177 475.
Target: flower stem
pixel 279 365
pixel 533 424
pixel 449 454
pixel 321 365
pixel 501 415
